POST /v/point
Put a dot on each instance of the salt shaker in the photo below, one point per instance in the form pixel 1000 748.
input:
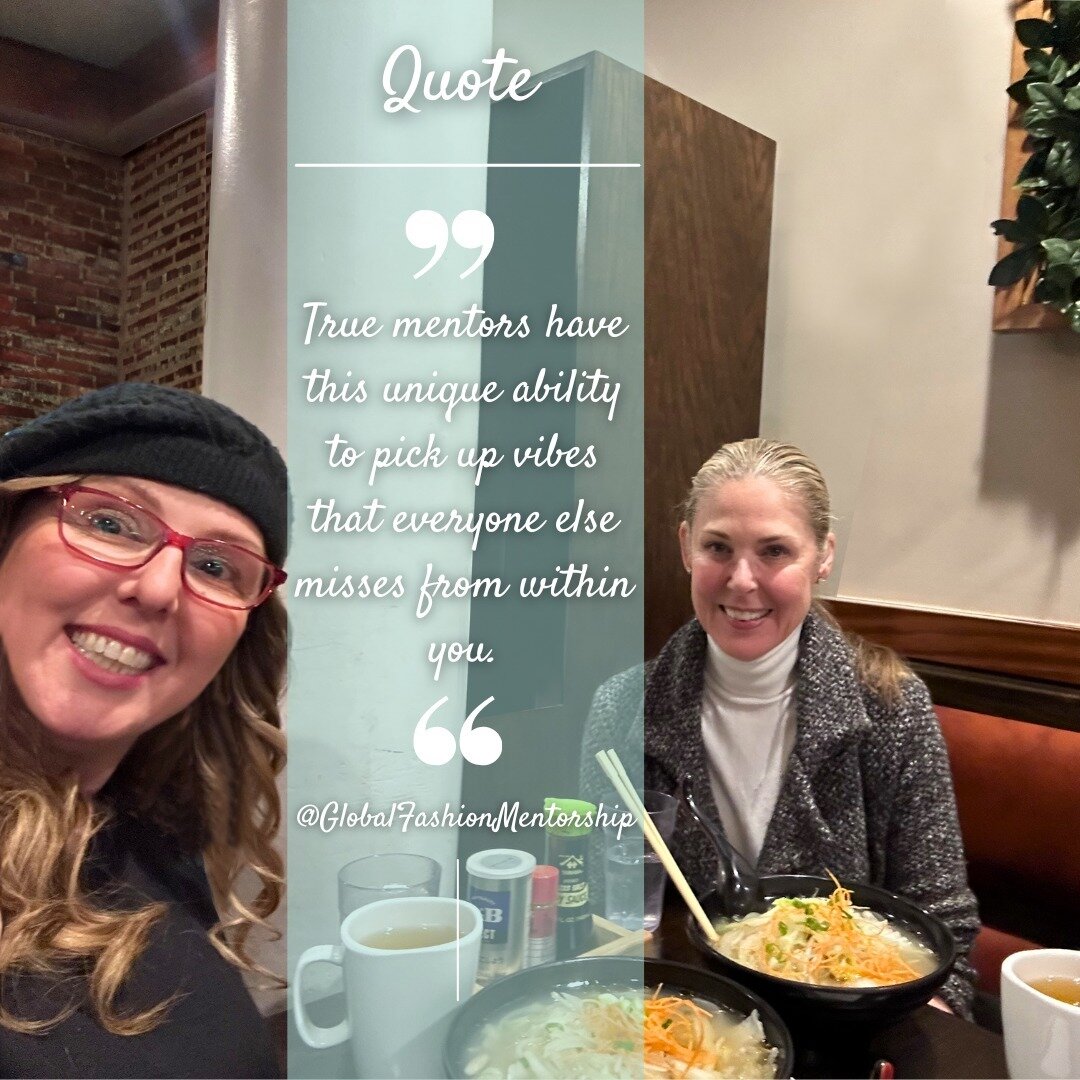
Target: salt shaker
pixel 500 885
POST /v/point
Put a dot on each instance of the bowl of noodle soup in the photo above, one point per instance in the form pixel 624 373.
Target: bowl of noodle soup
pixel 826 952
pixel 616 1016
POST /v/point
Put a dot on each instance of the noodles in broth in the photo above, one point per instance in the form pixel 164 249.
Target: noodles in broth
pixel 623 1033
pixel 826 941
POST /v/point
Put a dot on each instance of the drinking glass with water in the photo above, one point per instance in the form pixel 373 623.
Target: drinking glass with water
pixel 383 877
pixel 633 874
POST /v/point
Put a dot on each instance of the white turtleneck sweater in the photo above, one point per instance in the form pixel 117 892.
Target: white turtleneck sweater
pixel 748 726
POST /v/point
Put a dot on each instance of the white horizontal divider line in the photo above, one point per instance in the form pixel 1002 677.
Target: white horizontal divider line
pixel 466 165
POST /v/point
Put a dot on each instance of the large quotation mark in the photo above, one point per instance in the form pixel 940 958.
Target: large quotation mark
pixel 436 745
pixel 472 230
pixel 427 229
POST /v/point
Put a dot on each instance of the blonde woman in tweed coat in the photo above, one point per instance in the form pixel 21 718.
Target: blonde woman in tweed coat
pixel 820 752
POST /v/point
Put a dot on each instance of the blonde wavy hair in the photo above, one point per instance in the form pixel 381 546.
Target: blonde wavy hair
pixel 205 776
pixel 792 471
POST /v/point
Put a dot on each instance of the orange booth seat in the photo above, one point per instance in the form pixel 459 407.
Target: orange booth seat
pixel 1018 794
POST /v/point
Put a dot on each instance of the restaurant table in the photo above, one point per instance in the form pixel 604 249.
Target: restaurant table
pixel 927 1043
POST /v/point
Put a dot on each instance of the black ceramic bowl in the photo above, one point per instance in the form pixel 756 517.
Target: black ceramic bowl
pixel 606 972
pixel 802 1004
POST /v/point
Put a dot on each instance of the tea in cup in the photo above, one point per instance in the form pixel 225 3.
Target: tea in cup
pixel 407 963
pixel 1040 1013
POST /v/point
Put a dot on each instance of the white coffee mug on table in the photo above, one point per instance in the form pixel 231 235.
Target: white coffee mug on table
pixel 1042 1034
pixel 398 1000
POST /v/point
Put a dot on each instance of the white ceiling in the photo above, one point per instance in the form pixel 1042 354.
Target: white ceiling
pixel 106 74
pixel 100 32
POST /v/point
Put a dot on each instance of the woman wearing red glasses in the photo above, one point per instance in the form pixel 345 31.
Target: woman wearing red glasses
pixel 142 654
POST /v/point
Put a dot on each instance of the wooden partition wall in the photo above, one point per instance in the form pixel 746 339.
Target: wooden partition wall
pixel 708 209
pixel 708 214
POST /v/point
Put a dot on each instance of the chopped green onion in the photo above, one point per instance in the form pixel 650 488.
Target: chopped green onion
pixel 783 928
pixel 815 924
pixel 666 1023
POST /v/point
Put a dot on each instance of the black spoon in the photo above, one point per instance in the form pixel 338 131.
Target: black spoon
pixel 740 892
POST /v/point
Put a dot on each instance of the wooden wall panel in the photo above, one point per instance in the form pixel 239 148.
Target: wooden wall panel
pixel 1052 705
pixel 708 215
pixel 1027 650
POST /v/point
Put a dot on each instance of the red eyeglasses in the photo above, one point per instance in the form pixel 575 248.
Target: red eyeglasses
pixel 113 531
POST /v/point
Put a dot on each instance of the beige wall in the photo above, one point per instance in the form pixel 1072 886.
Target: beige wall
pixel 953 453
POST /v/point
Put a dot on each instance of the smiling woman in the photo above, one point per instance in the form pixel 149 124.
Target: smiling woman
pixel 142 655
pixel 822 753
pixel 753 560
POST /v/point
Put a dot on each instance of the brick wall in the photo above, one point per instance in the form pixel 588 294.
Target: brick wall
pixel 60 238
pixel 102 266
pixel 167 220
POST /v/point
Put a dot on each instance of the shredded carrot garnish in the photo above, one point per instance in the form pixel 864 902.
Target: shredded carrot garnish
pixel 820 940
pixel 677 1027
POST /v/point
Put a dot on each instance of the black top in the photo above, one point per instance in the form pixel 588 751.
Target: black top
pixel 213 1028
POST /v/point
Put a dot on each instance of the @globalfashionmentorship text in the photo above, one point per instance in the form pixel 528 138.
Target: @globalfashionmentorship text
pixel 405 815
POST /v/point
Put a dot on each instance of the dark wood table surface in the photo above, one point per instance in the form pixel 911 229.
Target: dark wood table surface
pixel 928 1043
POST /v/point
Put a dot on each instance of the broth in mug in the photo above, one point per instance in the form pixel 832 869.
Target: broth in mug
pixel 1058 987
pixel 409 937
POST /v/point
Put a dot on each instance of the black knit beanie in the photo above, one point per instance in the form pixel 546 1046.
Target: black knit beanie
pixel 157 433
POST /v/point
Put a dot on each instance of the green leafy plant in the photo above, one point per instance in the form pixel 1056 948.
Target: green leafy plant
pixel 1046 229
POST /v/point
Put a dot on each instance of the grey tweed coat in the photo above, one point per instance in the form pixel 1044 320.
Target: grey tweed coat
pixel 867 793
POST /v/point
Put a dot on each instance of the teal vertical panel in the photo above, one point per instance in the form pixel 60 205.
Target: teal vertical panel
pixel 361 678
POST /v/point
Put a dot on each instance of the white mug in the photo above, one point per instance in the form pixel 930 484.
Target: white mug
pixel 399 1000
pixel 1042 1035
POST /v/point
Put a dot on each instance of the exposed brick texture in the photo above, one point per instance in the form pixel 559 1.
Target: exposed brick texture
pixel 167 220
pixel 61 218
pixel 102 266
